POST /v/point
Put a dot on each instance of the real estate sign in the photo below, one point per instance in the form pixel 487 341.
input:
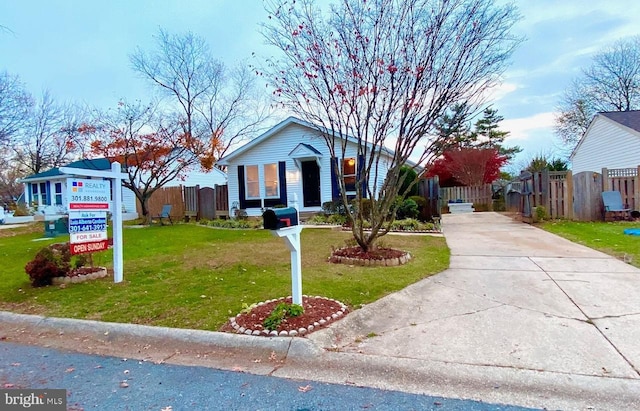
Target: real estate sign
pixel 87 194
pixel 88 231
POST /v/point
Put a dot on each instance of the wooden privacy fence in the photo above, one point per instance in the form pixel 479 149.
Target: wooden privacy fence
pixel 579 196
pixel 187 202
pixel 626 181
pixel 478 195
pixel 552 190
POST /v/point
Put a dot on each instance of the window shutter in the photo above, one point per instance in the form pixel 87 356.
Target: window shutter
pixel 335 187
pixel 241 191
pixel 48 193
pixel 282 177
pixel 360 175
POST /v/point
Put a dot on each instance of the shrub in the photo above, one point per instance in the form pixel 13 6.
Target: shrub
pixel 279 313
pixel 408 209
pixel 422 206
pixel 411 176
pixel 49 262
pixel 336 219
pixel 334 207
pixel 235 223
pixel 410 224
pixel 318 219
pixel 541 213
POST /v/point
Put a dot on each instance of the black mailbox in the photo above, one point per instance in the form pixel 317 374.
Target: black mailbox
pixel 279 218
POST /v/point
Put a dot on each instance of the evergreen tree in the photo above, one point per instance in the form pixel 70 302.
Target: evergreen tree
pixel 487 134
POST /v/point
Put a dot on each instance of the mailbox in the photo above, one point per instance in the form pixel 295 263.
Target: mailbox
pixel 279 218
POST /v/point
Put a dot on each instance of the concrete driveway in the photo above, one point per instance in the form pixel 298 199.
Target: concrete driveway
pixel 516 303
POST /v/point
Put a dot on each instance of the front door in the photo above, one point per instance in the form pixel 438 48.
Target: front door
pixel 310 183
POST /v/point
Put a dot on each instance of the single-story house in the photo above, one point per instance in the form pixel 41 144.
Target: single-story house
pixel 612 140
pixel 46 192
pixel 291 158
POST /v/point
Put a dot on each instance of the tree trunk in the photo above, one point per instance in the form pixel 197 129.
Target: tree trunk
pixel 144 206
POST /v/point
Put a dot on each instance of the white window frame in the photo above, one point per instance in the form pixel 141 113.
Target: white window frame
pixel 246 182
pixel 354 175
pixel 277 180
pixel 57 193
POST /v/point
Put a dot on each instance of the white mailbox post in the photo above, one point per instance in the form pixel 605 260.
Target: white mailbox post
pixel 291 236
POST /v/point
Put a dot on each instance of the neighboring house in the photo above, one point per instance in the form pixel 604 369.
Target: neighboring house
pixel 200 178
pixel 46 192
pixel 291 158
pixel 611 141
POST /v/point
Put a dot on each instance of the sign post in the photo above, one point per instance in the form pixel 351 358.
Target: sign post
pixel 92 197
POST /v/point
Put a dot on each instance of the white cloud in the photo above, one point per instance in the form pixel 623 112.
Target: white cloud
pixel 523 128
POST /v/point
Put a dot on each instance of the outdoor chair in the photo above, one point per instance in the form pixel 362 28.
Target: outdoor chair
pixel 613 207
pixel 165 213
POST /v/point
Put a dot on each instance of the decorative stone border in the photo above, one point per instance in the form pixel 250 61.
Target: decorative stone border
pixel 387 262
pixel 80 278
pixel 292 333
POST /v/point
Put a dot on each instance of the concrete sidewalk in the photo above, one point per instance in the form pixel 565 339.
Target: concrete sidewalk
pixel 522 317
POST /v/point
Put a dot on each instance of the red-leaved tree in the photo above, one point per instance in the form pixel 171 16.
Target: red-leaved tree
pixel 468 166
pixel 152 151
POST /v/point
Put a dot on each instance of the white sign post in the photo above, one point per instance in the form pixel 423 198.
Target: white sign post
pixel 291 236
pixel 94 199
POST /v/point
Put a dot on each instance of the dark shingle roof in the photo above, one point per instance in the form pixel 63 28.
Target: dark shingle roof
pixel 629 119
pixel 86 164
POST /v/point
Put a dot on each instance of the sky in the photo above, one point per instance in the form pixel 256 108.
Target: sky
pixel 79 50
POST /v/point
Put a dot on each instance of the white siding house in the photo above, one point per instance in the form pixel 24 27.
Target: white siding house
pixel 46 192
pixel 290 158
pixel 611 141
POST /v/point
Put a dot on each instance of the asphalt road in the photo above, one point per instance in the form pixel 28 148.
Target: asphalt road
pixel 108 383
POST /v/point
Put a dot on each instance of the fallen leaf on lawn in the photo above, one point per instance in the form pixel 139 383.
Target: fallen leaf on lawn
pixel 126 371
pixel 305 388
pixel 70 369
pixel 124 384
pixel 273 356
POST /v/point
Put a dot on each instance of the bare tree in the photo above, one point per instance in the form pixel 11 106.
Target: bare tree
pixel 610 83
pixel 10 174
pixel 216 106
pixel 383 72
pixel 46 140
pixel 15 105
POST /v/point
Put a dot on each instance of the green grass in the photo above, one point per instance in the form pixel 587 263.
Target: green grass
pixel 189 276
pixel 606 237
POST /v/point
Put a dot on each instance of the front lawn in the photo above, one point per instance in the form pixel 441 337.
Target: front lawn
pixel 606 237
pixel 189 276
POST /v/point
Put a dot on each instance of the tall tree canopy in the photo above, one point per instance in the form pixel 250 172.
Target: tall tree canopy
pixel 383 72
pixel 216 105
pixel 152 148
pixel 15 106
pixel 610 83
